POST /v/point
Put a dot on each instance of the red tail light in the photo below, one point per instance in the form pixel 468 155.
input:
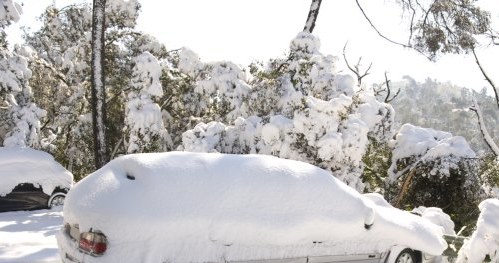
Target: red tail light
pixel 94 243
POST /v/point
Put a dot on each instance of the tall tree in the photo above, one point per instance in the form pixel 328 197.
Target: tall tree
pixel 313 13
pixel 98 83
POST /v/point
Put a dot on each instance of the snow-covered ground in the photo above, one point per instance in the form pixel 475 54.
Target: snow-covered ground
pixel 28 236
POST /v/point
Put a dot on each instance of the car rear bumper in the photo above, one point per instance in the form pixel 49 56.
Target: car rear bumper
pixel 68 249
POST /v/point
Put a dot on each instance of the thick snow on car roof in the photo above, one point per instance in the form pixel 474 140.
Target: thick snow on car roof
pixel 24 165
pixel 199 207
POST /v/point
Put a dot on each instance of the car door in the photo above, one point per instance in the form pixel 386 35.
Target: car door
pixel 360 258
pixel 24 196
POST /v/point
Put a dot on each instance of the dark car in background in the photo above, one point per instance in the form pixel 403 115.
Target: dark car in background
pixel 31 179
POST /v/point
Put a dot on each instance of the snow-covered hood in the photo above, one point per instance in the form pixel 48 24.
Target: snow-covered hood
pixel 234 206
pixel 24 165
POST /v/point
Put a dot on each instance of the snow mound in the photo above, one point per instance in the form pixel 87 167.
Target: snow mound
pixel 485 239
pixel 24 165
pixel 427 145
pixel 438 217
pixel 417 141
pixel 235 207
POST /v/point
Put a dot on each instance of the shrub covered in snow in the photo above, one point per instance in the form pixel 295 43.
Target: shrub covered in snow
pixel 298 108
pixel 434 169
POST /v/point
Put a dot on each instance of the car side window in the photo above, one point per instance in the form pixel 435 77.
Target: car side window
pixel 26 187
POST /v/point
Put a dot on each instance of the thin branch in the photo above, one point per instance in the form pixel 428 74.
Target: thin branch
pixel 356 68
pixel 376 29
pixel 486 76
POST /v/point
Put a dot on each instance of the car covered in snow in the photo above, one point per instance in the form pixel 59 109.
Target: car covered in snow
pixel 31 179
pixel 210 207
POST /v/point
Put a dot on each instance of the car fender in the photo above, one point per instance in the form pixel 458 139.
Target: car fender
pixel 54 195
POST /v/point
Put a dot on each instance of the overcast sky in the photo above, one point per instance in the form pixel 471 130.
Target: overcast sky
pixel 246 30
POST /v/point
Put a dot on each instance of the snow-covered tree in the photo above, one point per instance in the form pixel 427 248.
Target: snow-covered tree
pixel 20 115
pixel 314 115
pixel 144 123
pixel 434 168
pixel 62 70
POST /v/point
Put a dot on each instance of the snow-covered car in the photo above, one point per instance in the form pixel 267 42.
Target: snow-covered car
pixel 31 179
pixel 209 207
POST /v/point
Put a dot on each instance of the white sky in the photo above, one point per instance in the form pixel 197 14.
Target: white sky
pixel 245 30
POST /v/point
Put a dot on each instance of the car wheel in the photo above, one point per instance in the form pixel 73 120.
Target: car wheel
pixel 56 199
pixel 406 256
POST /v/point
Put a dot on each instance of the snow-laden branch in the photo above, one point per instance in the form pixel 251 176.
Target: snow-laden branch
pixel 483 129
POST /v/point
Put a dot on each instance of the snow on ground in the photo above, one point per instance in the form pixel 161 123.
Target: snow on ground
pixel 28 236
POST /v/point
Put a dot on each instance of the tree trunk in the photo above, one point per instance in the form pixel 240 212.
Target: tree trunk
pixel 312 16
pixel 98 87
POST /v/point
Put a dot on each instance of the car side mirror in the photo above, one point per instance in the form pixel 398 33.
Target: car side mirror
pixel 369 218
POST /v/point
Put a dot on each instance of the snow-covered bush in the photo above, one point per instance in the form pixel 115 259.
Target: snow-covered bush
pixel 298 108
pixel 10 11
pixel 434 168
pixel 485 240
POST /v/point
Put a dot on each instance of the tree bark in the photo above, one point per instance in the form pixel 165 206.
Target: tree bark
pixel 98 86
pixel 485 134
pixel 312 16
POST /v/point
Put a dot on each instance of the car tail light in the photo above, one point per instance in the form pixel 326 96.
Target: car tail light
pixel 94 243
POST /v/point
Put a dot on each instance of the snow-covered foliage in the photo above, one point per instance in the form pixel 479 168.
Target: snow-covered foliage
pixel 313 73
pixel 20 115
pixel 25 132
pixel 63 69
pixel 24 165
pixel 235 207
pixel 143 120
pixel 10 11
pixel 310 114
pixel 425 145
pixel 485 239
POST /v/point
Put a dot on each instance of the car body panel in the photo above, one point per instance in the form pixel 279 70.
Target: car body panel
pixel 24 197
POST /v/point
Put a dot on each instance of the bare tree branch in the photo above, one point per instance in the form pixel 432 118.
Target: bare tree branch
pixel 356 68
pixel 486 76
pixel 376 29
pixel 483 129
pixel 388 90
pixel 385 87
